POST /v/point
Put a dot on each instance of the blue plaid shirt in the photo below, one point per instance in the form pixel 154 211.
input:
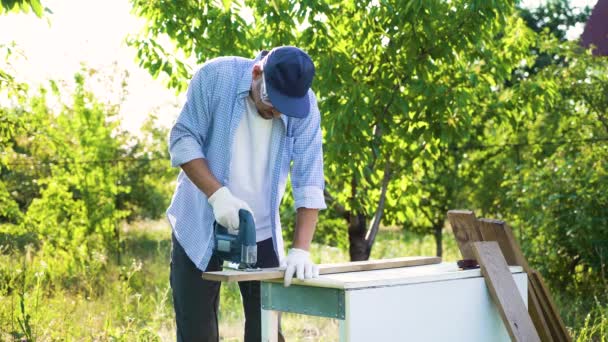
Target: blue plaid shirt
pixel 206 127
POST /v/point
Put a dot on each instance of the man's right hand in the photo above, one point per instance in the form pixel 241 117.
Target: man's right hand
pixel 226 209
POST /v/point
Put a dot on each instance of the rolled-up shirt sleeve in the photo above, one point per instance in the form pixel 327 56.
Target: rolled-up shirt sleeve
pixel 187 136
pixel 307 176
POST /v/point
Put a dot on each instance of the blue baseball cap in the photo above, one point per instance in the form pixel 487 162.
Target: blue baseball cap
pixel 289 72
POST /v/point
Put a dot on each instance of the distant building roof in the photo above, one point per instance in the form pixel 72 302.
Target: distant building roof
pixel 596 29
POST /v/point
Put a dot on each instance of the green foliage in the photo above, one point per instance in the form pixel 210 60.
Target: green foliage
pixel 126 301
pixel 427 106
pixel 23 6
pixel 70 176
pixel 595 326
pixel 331 230
pixel 413 74
pixel 560 188
pixel 555 17
pixel 544 172
pixel 146 170
pixel 131 301
pixel 10 88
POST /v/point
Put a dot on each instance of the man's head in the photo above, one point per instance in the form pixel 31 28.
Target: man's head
pixel 281 81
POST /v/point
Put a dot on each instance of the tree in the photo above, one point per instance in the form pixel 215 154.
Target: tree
pixel 556 17
pixel 396 80
pixel 59 169
pixel 10 88
pixel 146 170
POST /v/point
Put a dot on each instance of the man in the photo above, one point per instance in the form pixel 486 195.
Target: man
pixel 244 123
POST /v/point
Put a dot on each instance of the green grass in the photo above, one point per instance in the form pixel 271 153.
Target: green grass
pixel 131 301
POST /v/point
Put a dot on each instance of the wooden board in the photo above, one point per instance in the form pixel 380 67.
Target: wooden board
pixel 369 265
pixel 499 231
pixel 554 321
pixel 547 296
pixel 495 230
pixel 544 308
pixel 504 291
pixel 519 255
pixel 464 226
pixel 541 307
pixel 537 315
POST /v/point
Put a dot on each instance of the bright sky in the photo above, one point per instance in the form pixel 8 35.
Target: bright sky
pixel 93 32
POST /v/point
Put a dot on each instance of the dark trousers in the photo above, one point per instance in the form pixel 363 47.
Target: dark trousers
pixel 196 301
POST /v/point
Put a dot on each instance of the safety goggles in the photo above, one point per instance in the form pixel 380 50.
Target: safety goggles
pixel 264 92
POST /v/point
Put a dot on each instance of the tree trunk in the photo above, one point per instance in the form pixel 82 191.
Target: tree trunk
pixel 437 233
pixel 357 229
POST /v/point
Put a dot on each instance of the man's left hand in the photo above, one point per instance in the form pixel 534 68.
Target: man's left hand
pixel 298 262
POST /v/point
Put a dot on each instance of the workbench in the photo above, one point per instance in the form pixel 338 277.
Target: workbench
pixel 438 302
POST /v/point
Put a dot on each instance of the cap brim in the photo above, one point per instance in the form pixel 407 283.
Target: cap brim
pixel 297 107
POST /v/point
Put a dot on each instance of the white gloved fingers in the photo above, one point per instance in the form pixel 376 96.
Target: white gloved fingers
pixel 289 271
pixel 244 205
pixel 226 209
pixel 308 270
pixel 315 271
pixel 234 222
pixel 228 219
pixel 300 270
pixel 240 204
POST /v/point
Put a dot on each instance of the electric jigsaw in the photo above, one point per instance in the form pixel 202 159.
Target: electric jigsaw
pixel 240 248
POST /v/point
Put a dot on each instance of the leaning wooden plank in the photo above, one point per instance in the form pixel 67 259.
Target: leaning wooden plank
pixel 464 226
pixel 501 232
pixel 504 292
pixel 544 306
pixel 519 255
pixel 369 265
pixel 551 309
pixel 537 315
pixel 494 230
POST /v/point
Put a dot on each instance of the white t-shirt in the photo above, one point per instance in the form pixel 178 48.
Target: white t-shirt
pixel 249 167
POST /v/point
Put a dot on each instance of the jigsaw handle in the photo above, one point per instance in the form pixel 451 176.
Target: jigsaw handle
pixel 249 249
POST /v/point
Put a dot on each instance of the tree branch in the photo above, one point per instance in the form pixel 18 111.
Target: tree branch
pixel 339 208
pixel 375 224
pixel 427 215
pixel 598 111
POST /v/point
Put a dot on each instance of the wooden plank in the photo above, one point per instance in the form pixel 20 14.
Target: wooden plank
pixel 494 230
pixel 518 254
pixel 551 313
pixel 537 315
pixel 544 308
pixel 500 232
pixel 503 290
pixel 368 265
pixel 558 318
pixel 464 226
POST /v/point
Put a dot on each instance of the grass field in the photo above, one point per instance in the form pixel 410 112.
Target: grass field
pixel 132 301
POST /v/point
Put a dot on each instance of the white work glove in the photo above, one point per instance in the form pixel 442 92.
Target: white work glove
pixel 298 262
pixel 226 209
